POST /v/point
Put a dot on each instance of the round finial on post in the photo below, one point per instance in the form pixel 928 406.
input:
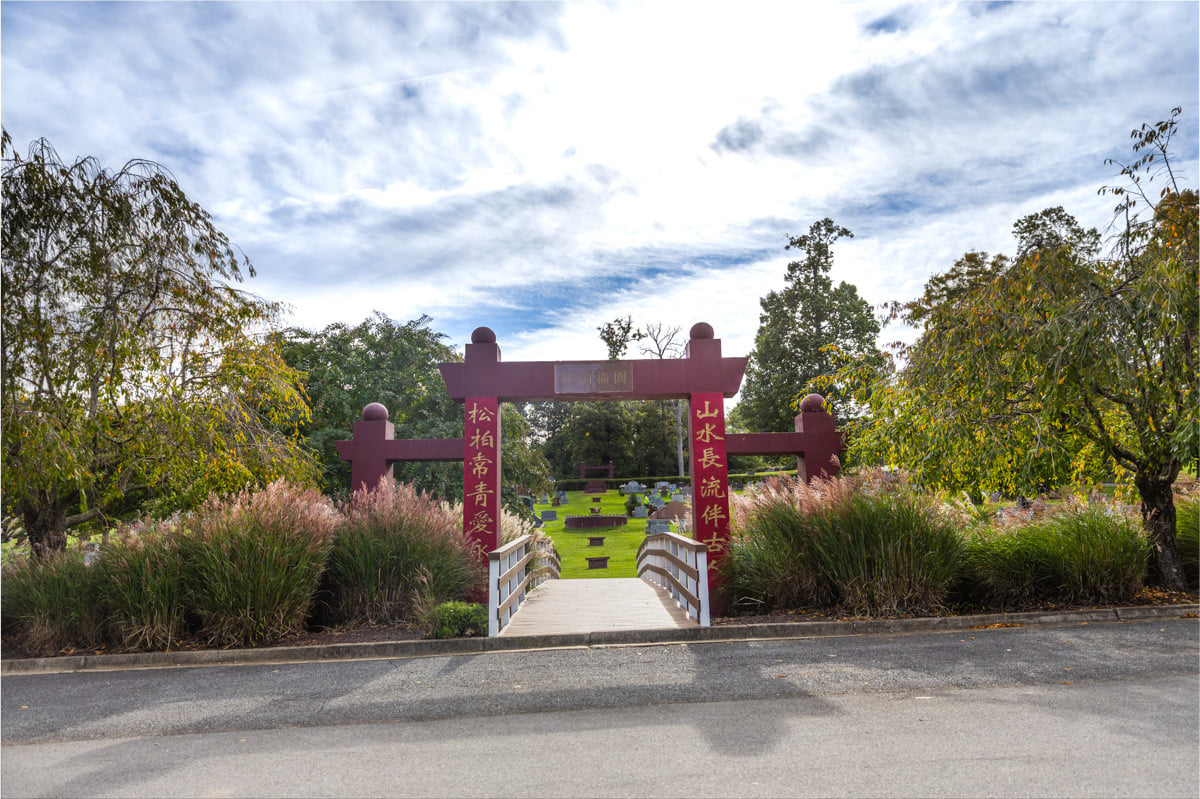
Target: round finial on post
pixel 375 413
pixel 813 403
pixel 701 330
pixel 483 335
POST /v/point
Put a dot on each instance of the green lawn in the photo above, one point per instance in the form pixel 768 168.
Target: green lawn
pixel 620 543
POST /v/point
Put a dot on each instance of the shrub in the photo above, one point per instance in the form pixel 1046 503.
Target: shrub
pixel 1089 553
pixel 50 604
pixel 845 541
pixel 398 552
pixel 1187 535
pixel 253 562
pixel 141 586
pixel 457 619
pixel 888 553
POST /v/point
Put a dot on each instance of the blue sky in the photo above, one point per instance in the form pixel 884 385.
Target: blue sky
pixel 542 168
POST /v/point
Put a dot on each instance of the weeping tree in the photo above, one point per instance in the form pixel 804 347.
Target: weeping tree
pixel 130 365
pixel 1064 353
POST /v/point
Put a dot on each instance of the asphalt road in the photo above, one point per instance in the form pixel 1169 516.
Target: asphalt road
pixel 1084 710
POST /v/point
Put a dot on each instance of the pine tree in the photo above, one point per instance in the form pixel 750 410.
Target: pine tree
pixel 804 331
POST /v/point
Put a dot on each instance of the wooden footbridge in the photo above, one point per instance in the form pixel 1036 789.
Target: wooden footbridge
pixel 526 598
pixel 589 606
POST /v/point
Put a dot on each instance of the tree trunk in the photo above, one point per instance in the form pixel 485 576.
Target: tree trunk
pixel 45 518
pixel 1158 517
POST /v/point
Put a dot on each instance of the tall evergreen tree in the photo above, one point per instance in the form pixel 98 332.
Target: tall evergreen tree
pixel 802 331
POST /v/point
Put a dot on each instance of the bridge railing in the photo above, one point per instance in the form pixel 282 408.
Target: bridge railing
pixel 514 570
pixel 681 566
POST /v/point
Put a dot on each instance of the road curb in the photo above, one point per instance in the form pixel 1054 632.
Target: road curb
pixel 470 646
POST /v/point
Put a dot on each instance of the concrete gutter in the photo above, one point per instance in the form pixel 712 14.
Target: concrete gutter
pixel 468 646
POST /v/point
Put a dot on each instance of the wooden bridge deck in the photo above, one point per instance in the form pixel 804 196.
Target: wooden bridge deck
pixel 588 606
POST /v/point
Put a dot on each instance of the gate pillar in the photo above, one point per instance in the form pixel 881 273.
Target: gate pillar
pixel 481 448
pixel 710 471
pixel 481 473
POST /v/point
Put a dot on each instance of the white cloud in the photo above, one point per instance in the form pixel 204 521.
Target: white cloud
pixel 546 168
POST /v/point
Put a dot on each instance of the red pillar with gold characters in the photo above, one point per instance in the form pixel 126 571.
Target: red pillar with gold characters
pixel 481 473
pixel 710 487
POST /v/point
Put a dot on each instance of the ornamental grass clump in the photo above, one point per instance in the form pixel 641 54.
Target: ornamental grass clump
pixel 253 563
pixel 142 583
pixel 857 543
pixel 1187 536
pixel 1083 554
pixel 397 554
pixel 50 603
pixel 772 561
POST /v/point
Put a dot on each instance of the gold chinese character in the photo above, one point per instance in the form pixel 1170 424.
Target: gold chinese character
pixel 480 464
pixel 709 433
pixel 481 493
pixel 480 413
pixel 717 545
pixel 707 413
pixel 483 438
pixel 480 523
pixel 714 514
pixel 709 459
pixel 711 487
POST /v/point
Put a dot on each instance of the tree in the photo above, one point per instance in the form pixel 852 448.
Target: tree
pixel 664 343
pixel 546 419
pixel 129 368
pixel 1083 355
pixel 934 434
pixel 596 433
pixel 653 440
pixel 380 360
pixel 525 468
pixel 801 330
pixel 617 336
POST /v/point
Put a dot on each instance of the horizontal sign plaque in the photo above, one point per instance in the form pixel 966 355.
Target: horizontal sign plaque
pixel 593 378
